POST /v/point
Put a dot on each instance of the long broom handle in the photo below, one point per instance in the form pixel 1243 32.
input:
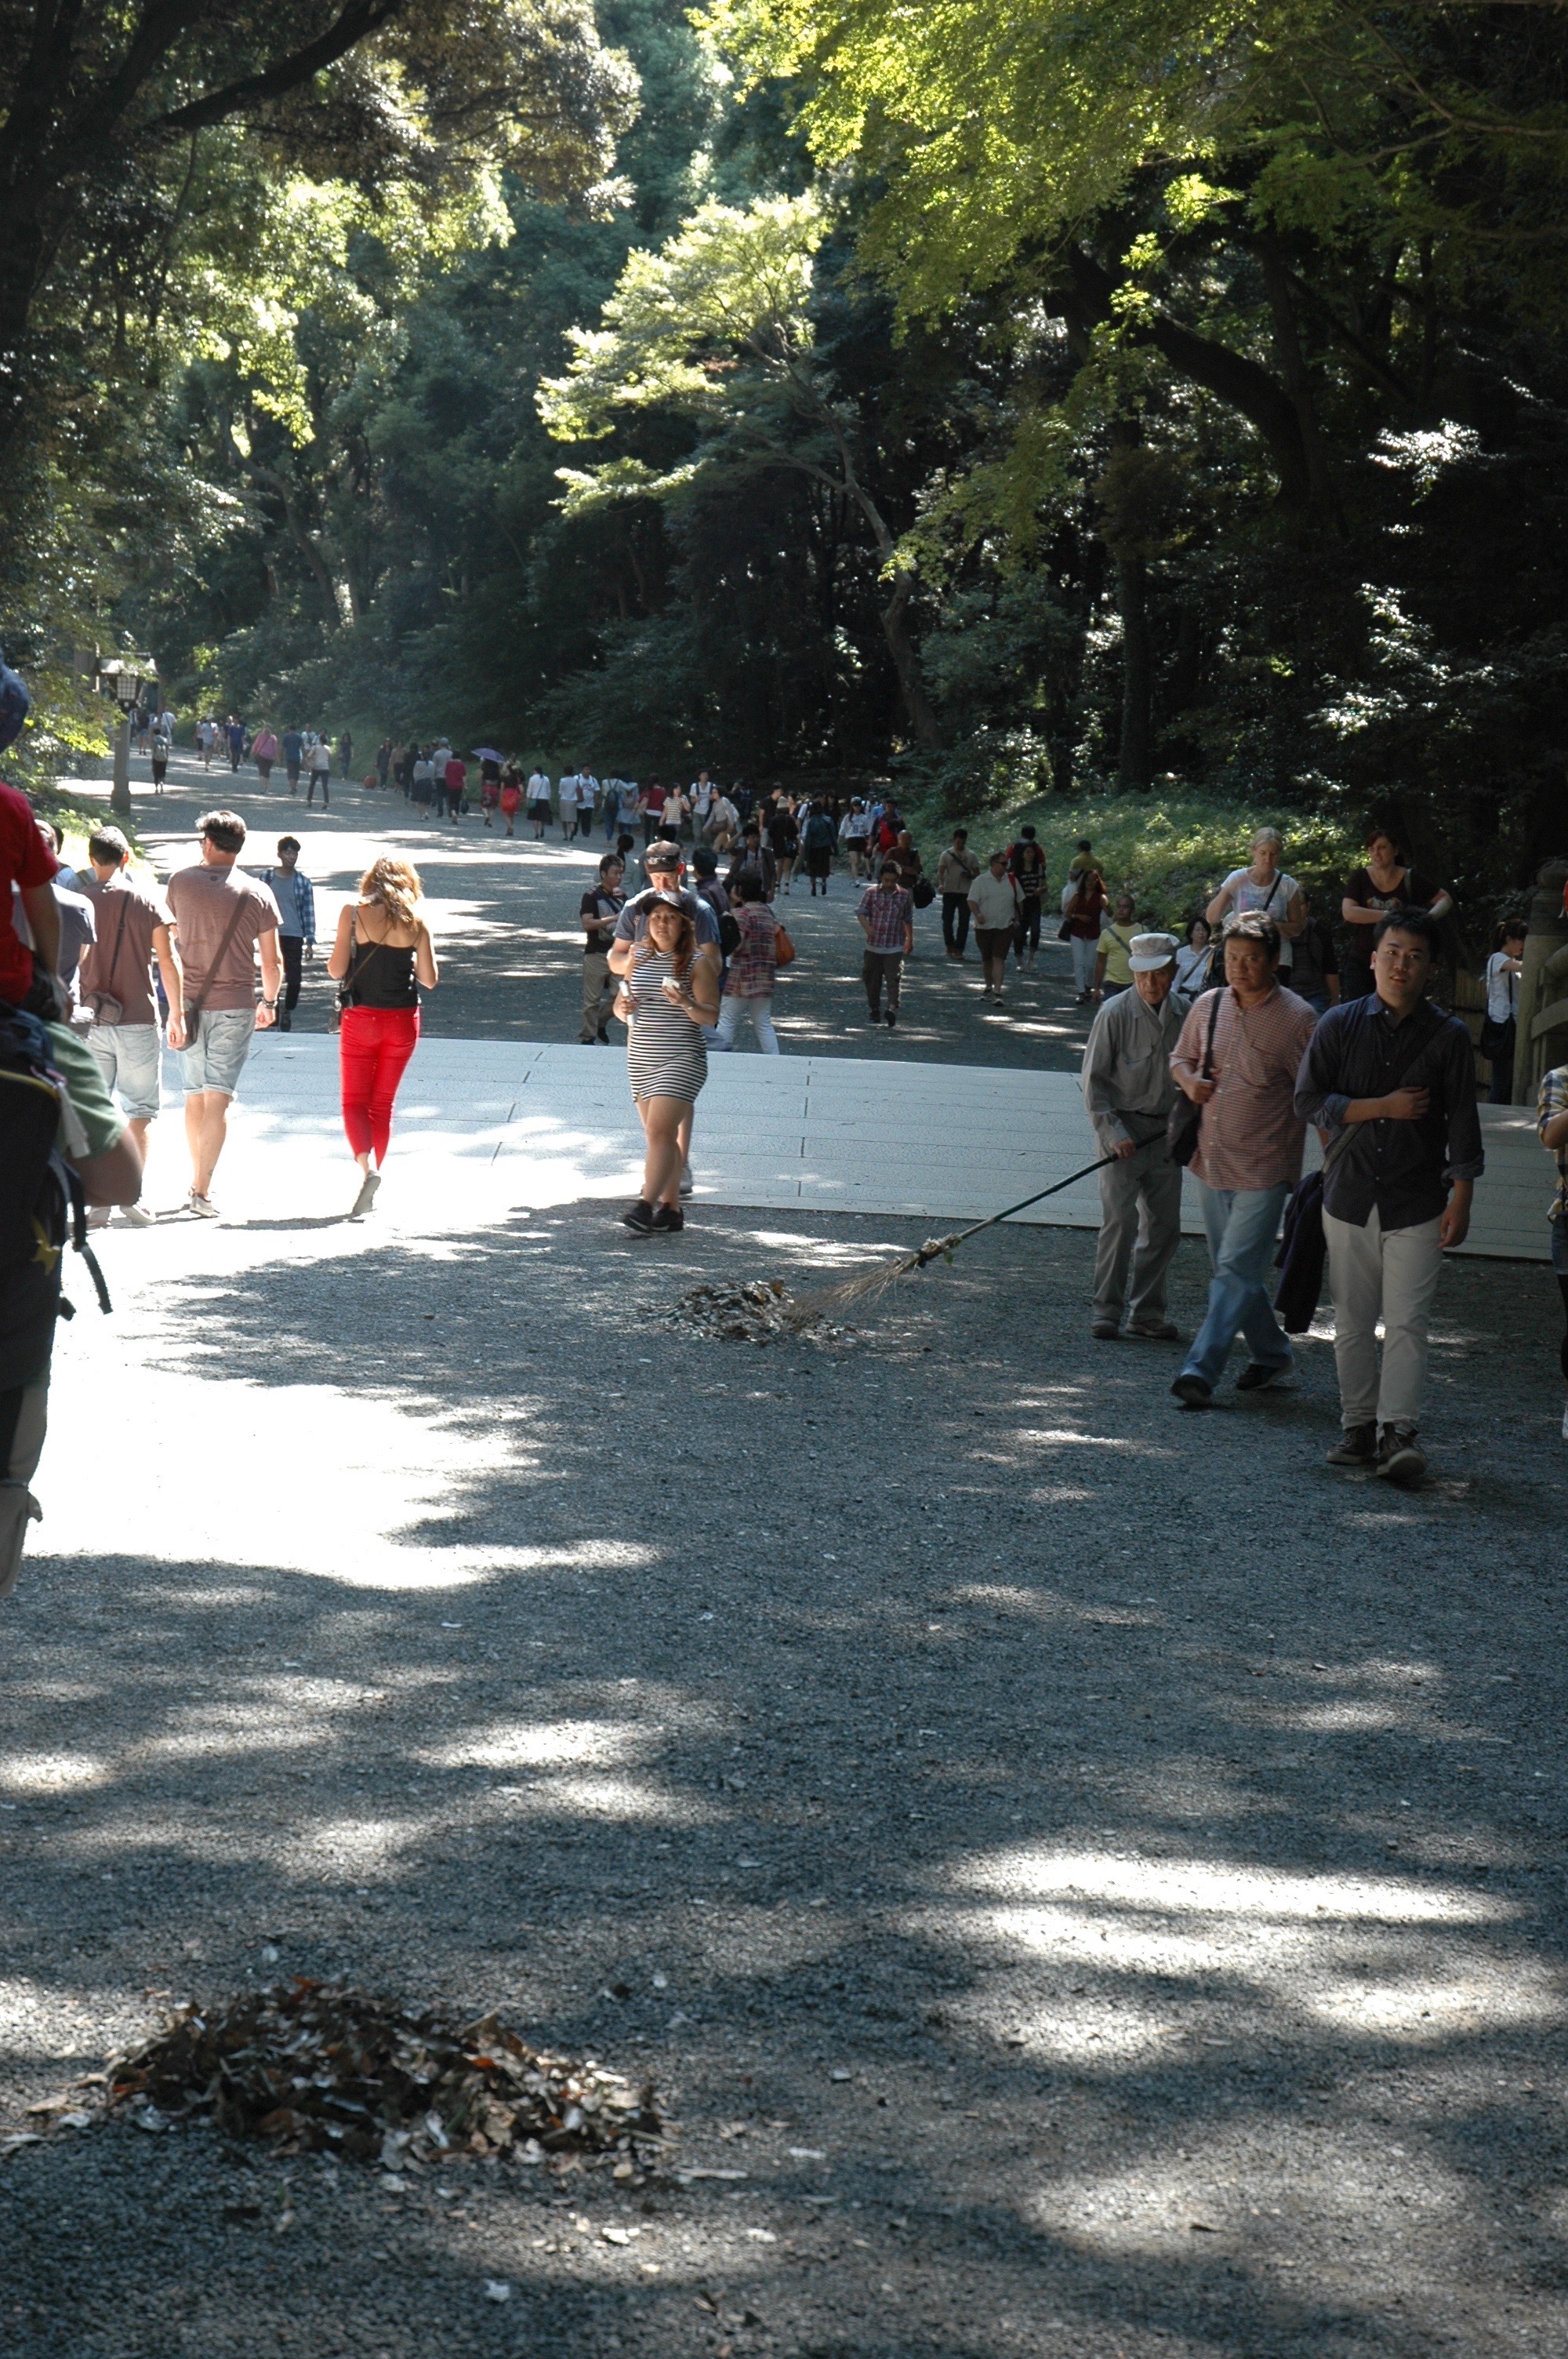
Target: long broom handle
pixel 947 1244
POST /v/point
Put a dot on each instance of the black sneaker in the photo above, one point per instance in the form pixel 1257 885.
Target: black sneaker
pixel 1259 1373
pixel 602 1037
pixel 640 1219
pixel 668 1218
pixel 1401 1458
pixel 892 1017
pixel 1357 1446
pixel 1191 1391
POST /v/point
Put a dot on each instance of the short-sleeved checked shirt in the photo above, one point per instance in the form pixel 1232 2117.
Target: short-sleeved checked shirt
pixel 888 916
pixel 1551 1101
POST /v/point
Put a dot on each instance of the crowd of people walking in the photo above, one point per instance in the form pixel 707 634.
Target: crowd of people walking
pixel 1214 1050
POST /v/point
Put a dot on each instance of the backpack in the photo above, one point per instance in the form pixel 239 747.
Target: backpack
pixel 40 1199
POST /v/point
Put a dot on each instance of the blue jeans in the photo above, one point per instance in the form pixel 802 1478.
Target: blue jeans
pixel 1242 1225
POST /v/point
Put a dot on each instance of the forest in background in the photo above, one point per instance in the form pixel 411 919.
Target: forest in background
pixel 1029 401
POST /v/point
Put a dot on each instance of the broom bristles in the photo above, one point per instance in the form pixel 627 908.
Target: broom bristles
pixel 801 1308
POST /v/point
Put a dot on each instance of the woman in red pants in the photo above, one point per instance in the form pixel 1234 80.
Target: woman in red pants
pixel 382 955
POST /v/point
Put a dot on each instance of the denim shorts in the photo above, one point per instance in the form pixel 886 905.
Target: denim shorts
pixel 216 1057
pixel 1559 1244
pixel 129 1057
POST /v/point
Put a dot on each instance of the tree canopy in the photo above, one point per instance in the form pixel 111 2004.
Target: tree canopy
pixel 1084 392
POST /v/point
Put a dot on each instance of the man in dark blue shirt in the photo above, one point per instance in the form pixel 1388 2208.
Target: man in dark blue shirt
pixel 1393 1079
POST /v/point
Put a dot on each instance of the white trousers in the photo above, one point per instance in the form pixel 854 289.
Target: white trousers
pixel 1393 1273
pixel 761 1011
pixel 1085 952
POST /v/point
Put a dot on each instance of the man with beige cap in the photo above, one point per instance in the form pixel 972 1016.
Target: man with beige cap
pixel 1129 1091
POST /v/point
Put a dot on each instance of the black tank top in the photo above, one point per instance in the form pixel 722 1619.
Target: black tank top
pixel 383 976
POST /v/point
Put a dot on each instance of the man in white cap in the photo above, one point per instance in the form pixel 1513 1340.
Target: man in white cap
pixel 1129 1091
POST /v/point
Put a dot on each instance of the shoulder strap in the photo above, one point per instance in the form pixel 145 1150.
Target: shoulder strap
pixel 193 1006
pixel 125 901
pixel 346 986
pixel 1208 1044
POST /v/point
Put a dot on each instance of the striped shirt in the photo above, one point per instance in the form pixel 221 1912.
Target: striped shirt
pixel 1250 1136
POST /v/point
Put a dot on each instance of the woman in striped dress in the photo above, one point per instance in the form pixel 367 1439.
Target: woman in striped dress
pixel 669 991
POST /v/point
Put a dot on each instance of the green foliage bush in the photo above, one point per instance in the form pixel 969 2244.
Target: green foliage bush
pixel 1169 848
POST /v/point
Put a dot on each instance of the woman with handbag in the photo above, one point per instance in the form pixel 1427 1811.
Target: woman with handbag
pixel 382 955
pixel 753 968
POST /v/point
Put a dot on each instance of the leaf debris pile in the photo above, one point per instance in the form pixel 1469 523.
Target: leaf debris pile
pixel 758 1313
pixel 322 2067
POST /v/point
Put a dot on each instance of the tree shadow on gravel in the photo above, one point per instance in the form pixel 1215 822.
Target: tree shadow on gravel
pixel 1082 1867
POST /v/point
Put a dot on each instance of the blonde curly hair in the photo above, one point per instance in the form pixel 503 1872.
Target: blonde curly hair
pixel 396 884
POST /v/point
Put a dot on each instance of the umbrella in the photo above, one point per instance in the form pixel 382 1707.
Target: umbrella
pixel 487 753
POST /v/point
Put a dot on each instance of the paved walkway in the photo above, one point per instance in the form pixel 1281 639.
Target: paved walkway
pixel 507 916
pixel 963 1110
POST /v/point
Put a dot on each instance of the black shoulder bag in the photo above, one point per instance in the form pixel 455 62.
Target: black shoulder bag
pixel 1186 1114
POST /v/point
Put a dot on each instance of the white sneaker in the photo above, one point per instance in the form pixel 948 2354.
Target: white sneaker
pixel 136 1216
pixel 202 1206
pixel 97 1216
pixel 366 1196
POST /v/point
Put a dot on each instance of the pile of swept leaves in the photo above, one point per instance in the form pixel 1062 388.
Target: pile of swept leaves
pixel 761 1312
pixel 321 2066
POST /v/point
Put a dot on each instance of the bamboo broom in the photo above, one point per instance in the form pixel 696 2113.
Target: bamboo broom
pixel 800 1310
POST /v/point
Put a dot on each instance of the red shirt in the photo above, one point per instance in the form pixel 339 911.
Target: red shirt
pixel 25 860
pixel 457 774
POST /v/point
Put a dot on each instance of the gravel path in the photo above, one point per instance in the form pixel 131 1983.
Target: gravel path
pixel 1087 1878
pixel 1095 1872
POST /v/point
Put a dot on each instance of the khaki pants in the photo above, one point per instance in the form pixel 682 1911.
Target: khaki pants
pixel 599 988
pixel 1393 1273
pixel 1141 1206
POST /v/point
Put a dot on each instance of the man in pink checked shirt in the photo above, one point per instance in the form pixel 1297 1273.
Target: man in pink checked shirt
pixel 1249 1154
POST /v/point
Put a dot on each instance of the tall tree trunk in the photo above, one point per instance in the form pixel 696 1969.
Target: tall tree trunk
pixel 1133 760
pixel 906 663
pixel 23 249
pixel 1325 500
